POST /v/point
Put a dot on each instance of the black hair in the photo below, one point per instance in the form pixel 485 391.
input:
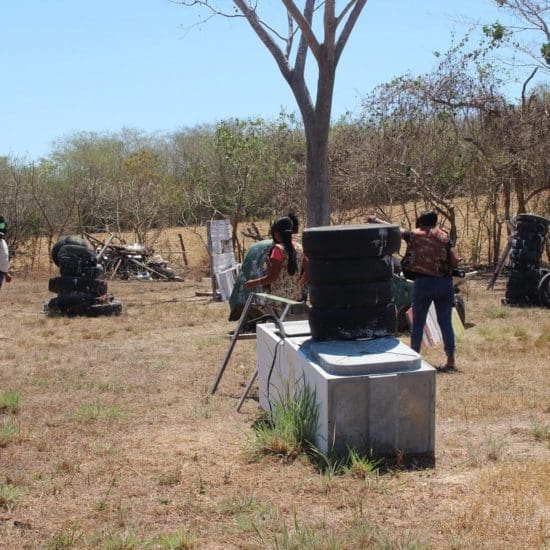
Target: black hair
pixel 285 227
pixel 427 219
pixel 295 222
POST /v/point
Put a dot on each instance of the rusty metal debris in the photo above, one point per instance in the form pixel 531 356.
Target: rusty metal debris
pixel 132 261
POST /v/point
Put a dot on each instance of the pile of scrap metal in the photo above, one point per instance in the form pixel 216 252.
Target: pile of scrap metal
pixel 132 262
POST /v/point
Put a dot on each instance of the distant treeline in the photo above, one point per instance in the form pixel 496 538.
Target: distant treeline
pixel 453 144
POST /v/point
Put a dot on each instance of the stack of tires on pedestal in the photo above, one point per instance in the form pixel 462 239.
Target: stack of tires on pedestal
pixel 79 289
pixel 350 272
pixel 528 284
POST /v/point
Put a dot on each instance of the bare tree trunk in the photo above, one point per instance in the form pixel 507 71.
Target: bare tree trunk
pixel 507 203
pixel 519 187
pixel 317 183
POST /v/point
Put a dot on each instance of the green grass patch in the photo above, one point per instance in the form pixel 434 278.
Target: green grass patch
pixel 61 541
pixel 8 430
pixel 362 466
pixel 8 496
pixel 123 541
pixel 499 312
pixel 544 337
pixel 489 333
pixel 170 478
pixel 88 412
pixel 289 428
pixel 209 342
pixel 298 536
pixel 520 333
pixel 540 431
pixel 180 540
pixel 10 401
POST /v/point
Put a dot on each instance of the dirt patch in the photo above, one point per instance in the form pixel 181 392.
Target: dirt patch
pixel 119 445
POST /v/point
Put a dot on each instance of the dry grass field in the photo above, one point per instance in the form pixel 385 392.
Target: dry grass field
pixel 109 439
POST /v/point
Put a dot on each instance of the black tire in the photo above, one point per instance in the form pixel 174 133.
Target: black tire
pixel 534 244
pixel 529 232
pixel 460 307
pixel 353 323
pixel 533 218
pixel 543 290
pixel 69 304
pixel 518 291
pixel 524 278
pixel 62 242
pixel 77 271
pixel 349 271
pixel 86 255
pixel 525 255
pixel 72 306
pixel 347 296
pixel 104 310
pixel 521 267
pixel 76 260
pixel 531 228
pixel 86 285
pixel 351 241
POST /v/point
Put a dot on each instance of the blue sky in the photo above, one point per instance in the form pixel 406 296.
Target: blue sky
pixel 71 65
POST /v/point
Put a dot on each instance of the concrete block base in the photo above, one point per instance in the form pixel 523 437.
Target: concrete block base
pixel 374 396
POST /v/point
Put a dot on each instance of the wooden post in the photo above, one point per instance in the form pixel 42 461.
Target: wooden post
pixel 500 264
pixel 183 250
pixel 212 274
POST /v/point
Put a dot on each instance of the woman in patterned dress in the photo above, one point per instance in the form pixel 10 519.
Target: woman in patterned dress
pixel 283 264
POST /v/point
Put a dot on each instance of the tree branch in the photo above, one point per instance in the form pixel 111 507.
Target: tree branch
pixel 348 27
pixel 263 35
pixel 304 25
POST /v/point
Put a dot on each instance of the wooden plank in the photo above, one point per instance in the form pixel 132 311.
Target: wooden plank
pixel 500 264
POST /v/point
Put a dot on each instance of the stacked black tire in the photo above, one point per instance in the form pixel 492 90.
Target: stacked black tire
pixel 528 284
pixel 350 271
pixel 79 289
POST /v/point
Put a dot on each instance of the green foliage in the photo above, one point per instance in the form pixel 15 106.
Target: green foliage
pixel 63 540
pixel 302 536
pixel 180 540
pixel 495 32
pixel 9 428
pixel 10 401
pixel 97 411
pixel 289 428
pixel 122 541
pixel 9 494
pixel 540 430
pixel 362 466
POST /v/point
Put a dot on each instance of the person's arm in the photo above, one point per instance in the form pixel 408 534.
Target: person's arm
pixel 274 266
pixel 454 260
pixel 5 260
pixel 304 277
pixel 372 218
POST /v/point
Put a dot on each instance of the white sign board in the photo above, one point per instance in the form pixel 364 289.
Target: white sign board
pixel 220 247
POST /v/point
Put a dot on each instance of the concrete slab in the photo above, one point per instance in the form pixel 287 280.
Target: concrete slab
pixel 356 357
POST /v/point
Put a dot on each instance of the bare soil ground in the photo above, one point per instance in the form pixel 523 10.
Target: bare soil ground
pixel 117 443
